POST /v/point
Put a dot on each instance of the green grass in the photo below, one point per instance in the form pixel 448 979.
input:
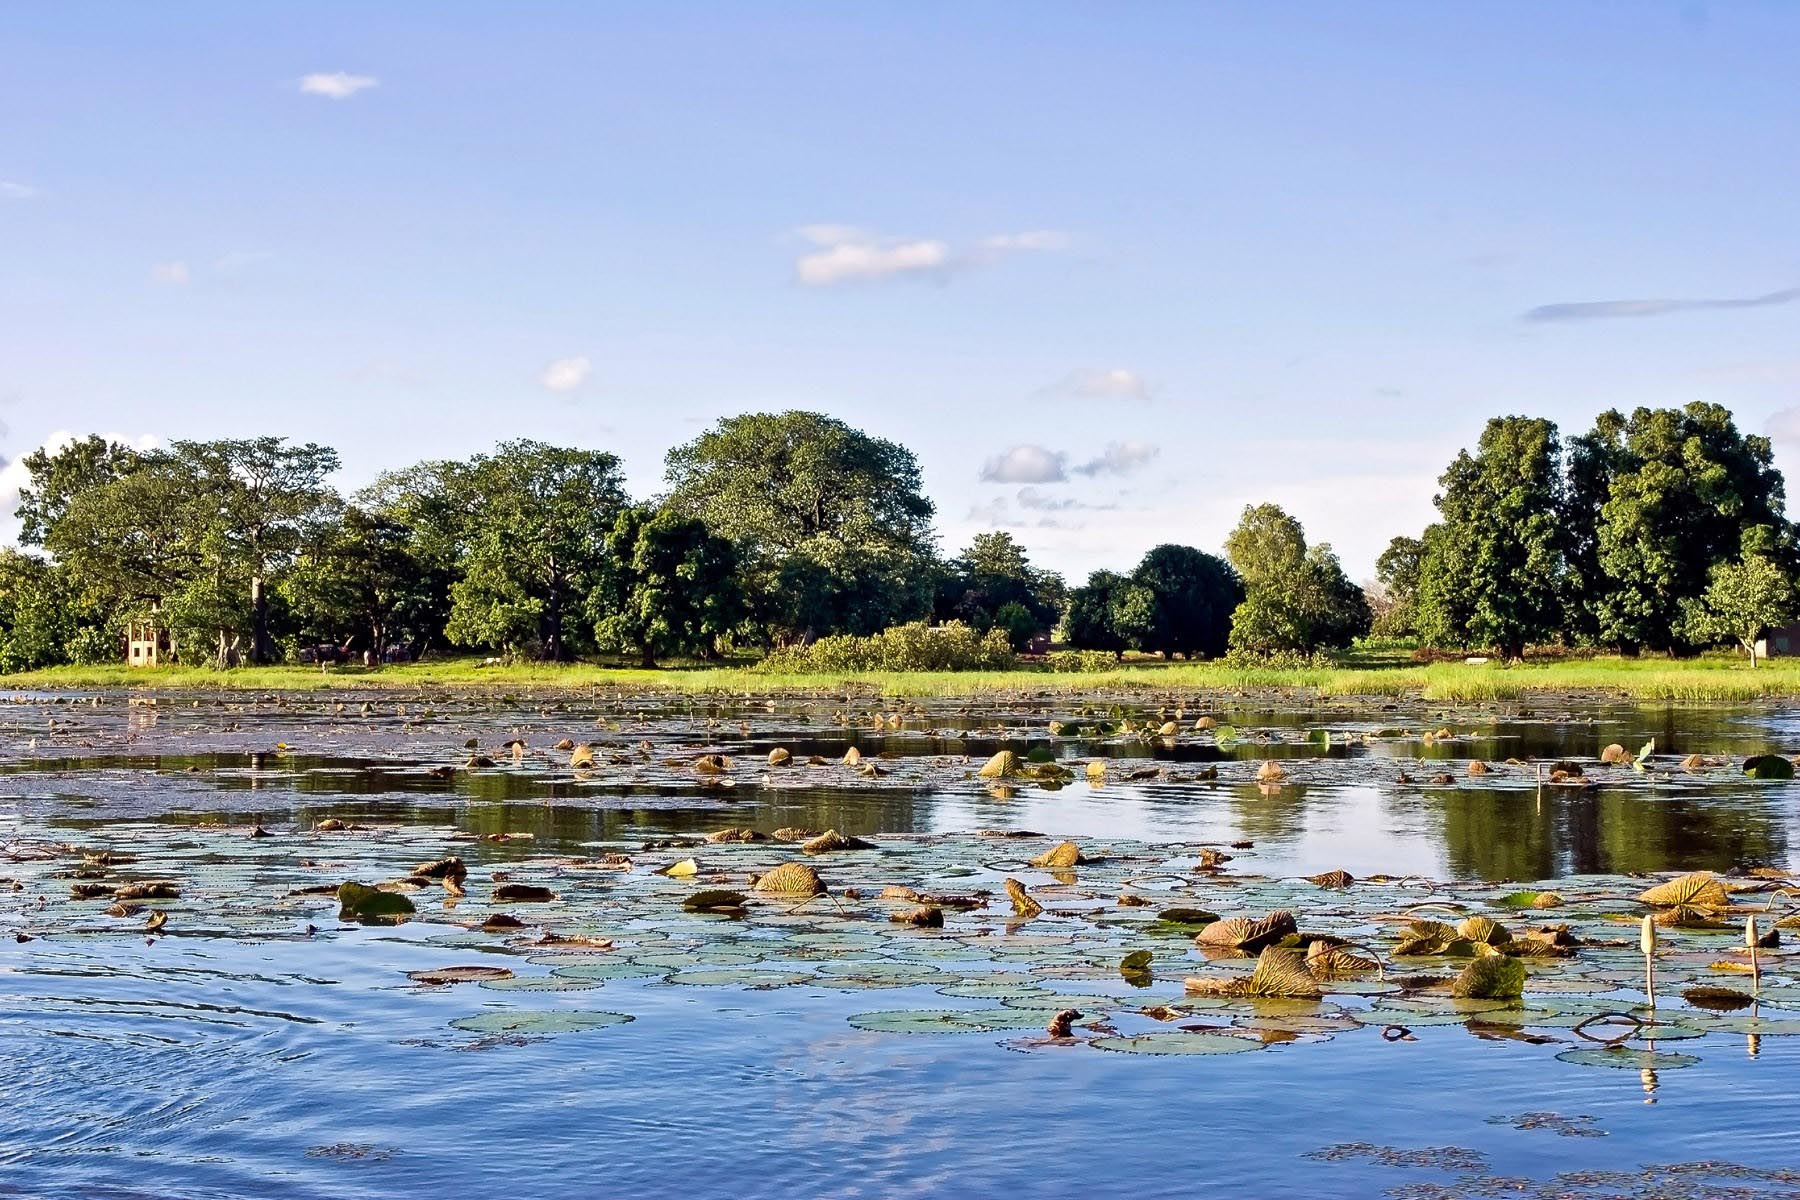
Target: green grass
pixel 1640 679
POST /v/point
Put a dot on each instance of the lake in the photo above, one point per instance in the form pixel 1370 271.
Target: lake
pixel 613 1041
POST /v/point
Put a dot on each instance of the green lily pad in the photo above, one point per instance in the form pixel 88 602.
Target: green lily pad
pixel 1180 1042
pixel 535 1023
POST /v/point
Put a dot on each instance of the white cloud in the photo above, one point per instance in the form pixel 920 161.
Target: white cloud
pixel 566 374
pixel 847 254
pixel 853 260
pixel 1094 383
pixel 1119 458
pixel 1026 464
pixel 336 85
pixel 11 190
pixel 175 273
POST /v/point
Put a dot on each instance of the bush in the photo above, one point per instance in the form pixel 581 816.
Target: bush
pixel 917 646
pixel 1277 660
pixel 1070 662
pixel 91 646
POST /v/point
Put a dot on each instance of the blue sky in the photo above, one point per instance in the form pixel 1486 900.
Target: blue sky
pixel 1112 271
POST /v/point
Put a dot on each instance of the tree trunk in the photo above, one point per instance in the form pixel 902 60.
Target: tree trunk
pixel 1750 648
pixel 647 658
pixel 259 621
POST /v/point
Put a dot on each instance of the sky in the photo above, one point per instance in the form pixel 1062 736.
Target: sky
pixel 1112 271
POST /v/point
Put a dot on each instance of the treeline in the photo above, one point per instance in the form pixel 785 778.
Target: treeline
pixel 795 532
pixel 774 529
pixel 1662 531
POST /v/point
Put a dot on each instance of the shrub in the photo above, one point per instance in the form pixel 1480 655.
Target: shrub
pixel 916 646
pixel 1277 660
pixel 91 646
pixel 1070 662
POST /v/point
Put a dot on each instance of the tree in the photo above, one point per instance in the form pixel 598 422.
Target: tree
pixel 832 525
pixel 57 477
pixel 993 574
pixel 672 587
pixel 1742 599
pixel 1683 487
pixel 134 543
pixel 1193 596
pixel 1110 612
pixel 361 579
pixel 1496 559
pixel 1397 584
pixel 536 545
pixel 266 497
pixel 35 619
pixel 1296 598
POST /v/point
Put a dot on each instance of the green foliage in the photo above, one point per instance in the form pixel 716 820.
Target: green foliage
pixel 1193 595
pixel 35 621
pixel 1683 490
pixel 1069 662
pixel 1396 612
pixel 914 646
pixel 536 545
pixel 833 527
pixel 672 587
pixel 1017 623
pixel 1297 598
pixel 1109 612
pixel 1741 600
pixel 57 477
pixel 1491 570
pixel 992 575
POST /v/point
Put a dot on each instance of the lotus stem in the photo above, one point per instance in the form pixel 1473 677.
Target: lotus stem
pixel 1647 940
pixel 1750 940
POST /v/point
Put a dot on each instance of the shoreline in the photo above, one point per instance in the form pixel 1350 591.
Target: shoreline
pixel 1586 680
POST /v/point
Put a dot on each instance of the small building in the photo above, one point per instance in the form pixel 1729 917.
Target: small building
pixel 146 644
pixel 1782 642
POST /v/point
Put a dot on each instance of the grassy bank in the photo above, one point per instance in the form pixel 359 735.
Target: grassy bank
pixel 1644 679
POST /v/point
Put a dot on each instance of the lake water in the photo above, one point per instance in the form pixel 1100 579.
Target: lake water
pixel 258 1046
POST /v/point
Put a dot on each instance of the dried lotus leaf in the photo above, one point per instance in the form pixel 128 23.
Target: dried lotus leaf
pixel 791 879
pixel 1700 889
pixel 1066 854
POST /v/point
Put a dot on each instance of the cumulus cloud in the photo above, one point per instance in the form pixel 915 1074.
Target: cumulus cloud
pixel 13 190
pixel 848 254
pixel 1094 383
pixel 863 260
pixel 175 273
pixel 1026 464
pixel 1119 458
pixel 1041 501
pixel 1601 309
pixel 336 85
pixel 566 374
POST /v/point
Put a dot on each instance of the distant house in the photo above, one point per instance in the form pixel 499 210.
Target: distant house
pixel 1782 642
pixel 146 644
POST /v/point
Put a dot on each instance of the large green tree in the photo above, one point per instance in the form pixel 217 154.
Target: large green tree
pixel 993 575
pixel 832 524
pixel 1296 597
pixel 536 545
pixel 671 587
pixel 266 497
pixel 361 583
pixel 1110 612
pixel 1193 596
pixel 1493 567
pixel 1683 489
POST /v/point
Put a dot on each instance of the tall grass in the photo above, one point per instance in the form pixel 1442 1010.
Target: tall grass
pixel 1642 679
